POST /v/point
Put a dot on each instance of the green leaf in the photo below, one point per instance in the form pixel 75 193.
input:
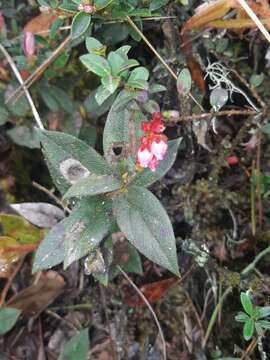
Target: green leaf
pixel 110 83
pixel 138 84
pixel 241 317
pixel 101 4
pixel 116 62
pixel 263 311
pixel 93 185
pixel 80 24
pixel 51 250
pixel 145 223
pixel 85 228
pixel 102 94
pixel 4 115
pixel 117 129
pixel 256 79
pixel 148 177
pixel 157 4
pixel 140 73
pixel 184 82
pixel 97 64
pixel 94 46
pixel 60 149
pixel 246 303
pixel 8 318
pixel 248 329
pixel 77 347
pixel 24 136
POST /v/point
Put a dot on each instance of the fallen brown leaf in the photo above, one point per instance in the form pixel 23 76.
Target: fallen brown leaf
pixel 40 24
pixel 34 299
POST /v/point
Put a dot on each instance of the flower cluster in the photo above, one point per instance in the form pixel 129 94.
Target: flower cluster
pixel 154 144
pixel 87 8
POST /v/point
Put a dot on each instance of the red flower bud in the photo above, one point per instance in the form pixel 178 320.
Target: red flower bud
pixel 232 160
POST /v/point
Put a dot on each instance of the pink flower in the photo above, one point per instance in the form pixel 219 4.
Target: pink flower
pixel 153 164
pixel 159 148
pixel 144 157
pixel 89 9
pixel 29 44
pixel 153 144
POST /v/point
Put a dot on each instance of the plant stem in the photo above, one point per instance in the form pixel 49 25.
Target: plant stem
pixel 27 94
pixel 214 315
pixel 149 307
pixel 160 58
pixel 252 265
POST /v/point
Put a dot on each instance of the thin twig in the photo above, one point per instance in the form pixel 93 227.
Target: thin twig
pixel 214 316
pixel 51 195
pixel 252 265
pixel 24 89
pixel 103 300
pixel 160 58
pixel 39 71
pixel 202 116
pixel 149 307
pixel 255 18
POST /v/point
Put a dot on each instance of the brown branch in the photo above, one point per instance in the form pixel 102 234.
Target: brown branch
pixel 38 72
pixel 203 116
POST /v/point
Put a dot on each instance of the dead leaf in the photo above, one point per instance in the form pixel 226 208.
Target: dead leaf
pixel 153 292
pixel 40 214
pixel 37 297
pixel 40 24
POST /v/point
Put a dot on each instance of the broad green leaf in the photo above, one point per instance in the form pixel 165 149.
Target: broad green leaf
pixel 97 64
pixel 94 46
pixel 145 223
pixel 138 84
pixel 140 73
pixel 8 318
pixel 51 250
pixel 148 177
pixel 61 150
pixel 184 82
pixel 116 62
pixel 86 226
pixel 77 347
pixel 117 127
pixel 248 329
pixel 263 311
pixel 241 317
pixel 246 303
pixel 80 24
pixel 93 185
pixel 110 83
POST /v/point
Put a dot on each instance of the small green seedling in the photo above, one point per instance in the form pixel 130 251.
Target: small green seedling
pixel 253 317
